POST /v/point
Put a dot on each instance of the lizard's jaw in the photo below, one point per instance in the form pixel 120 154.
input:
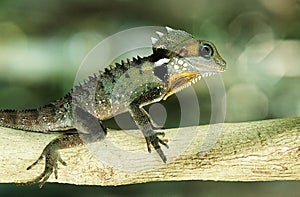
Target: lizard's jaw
pixel 205 66
pixel 184 72
pixel 180 81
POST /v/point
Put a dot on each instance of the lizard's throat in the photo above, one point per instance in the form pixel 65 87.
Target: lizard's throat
pixel 179 81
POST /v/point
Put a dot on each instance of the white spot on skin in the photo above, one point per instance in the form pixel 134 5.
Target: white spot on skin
pixel 176 67
pixel 180 62
pixel 161 61
pixel 169 29
pixel 154 40
pixel 185 65
pixel 159 34
pixel 66 106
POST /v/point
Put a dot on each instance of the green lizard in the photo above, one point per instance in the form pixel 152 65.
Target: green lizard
pixel 177 61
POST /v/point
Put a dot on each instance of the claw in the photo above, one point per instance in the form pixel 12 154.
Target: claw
pixel 36 162
pixel 155 141
pixel 148 145
pixel 61 160
pixel 161 155
pixel 55 172
pixel 163 143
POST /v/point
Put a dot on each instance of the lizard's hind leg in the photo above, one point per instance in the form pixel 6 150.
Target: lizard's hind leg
pixel 52 157
pixel 91 130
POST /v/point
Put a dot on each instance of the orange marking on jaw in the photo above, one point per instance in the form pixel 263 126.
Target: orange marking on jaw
pixel 178 81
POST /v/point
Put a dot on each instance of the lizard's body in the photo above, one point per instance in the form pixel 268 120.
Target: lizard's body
pixel 177 60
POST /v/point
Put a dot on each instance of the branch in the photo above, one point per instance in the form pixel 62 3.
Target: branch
pixel 251 151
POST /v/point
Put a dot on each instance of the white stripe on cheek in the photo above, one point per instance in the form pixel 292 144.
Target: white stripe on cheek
pixel 161 62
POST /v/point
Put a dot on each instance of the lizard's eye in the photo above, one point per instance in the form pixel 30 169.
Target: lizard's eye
pixel 206 51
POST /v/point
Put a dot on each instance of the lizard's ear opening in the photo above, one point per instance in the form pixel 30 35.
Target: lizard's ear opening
pixel 183 52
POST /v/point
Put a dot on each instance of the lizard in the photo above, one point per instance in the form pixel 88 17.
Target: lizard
pixel 177 61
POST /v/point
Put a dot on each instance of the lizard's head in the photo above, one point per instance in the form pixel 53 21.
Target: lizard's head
pixel 184 59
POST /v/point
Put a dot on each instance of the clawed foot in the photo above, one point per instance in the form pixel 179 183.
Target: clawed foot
pixel 52 157
pixel 154 140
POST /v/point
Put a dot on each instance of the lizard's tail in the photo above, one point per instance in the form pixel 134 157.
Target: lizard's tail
pixel 44 119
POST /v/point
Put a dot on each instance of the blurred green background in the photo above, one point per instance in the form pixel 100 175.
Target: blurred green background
pixel 42 44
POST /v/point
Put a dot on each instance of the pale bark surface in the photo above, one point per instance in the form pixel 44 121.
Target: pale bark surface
pixel 252 151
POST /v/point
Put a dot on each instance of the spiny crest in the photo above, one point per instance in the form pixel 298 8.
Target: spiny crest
pixel 109 72
pixel 137 60
pixel 172 40
pixel 93 78
pixel 123 65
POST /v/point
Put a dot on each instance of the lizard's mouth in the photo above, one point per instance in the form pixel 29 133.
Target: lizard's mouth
pixel 179 81
pixel 193 71
pixel 206 67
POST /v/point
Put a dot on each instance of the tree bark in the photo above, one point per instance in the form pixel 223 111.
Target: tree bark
pixel 252 151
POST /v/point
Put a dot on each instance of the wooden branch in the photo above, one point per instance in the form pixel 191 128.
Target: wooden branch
pixel 251 151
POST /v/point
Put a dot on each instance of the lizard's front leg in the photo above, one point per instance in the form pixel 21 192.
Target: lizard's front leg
pixel 153 123
pixel 142 120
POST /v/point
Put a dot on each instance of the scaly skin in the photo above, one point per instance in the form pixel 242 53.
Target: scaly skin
pixel 178 60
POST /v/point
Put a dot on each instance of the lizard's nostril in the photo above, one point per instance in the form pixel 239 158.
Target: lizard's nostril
pixel 221 62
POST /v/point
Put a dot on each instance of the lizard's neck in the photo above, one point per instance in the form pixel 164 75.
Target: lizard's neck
pixel 160 54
